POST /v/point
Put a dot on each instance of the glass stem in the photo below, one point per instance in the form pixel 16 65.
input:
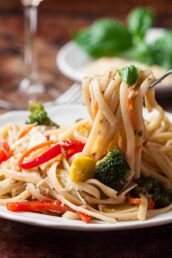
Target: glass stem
pixel 30 14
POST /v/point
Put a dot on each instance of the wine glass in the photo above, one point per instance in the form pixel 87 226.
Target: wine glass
pixel 31 85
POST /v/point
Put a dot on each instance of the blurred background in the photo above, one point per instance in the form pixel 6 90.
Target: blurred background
pixel 57 22
pixel 92 8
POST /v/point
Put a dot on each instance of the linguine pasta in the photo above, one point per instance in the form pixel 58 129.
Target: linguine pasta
pixel 146 143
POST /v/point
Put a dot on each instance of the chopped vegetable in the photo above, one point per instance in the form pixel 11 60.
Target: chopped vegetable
pixel 82 168
pixel 151 203
pixel 38 206
pixel 133 201
pixel 34 148
pixel 5 151
pixel 105 37
pixel 44 206
pixel 70 147
pixel 139 21
pixel 113 170
pixel 137 201
pixel 129 74
pixel 154 189
pixel 25 131
pixel 39 115
pixel 85 217
pixel 130 106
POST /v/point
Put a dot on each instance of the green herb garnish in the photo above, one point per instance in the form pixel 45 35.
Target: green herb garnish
pixel 108 37
pixel 154 189
pixel 129 74
pixel 39 115
pixel 139 21
pixel 105 37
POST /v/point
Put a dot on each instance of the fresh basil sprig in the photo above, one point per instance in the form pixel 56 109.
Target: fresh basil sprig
pixel 139 21
pixel 105 37
pixel 108 37
pixel 129 74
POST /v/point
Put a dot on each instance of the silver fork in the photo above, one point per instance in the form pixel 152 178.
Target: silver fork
pixel 71 96
pixel 160 79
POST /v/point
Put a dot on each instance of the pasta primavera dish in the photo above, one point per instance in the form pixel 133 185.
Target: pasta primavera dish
pixel 113 166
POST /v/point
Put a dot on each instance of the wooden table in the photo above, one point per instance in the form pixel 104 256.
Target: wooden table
pixel 24 241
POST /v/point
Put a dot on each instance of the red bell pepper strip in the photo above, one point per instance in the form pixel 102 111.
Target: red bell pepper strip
pixel 75 149
pixel 5 151
pixel 137 201
pixel 151 203
pixel 44 206
pixel 85 217
pixel 70 147
pixel 38 206
pixel 34 148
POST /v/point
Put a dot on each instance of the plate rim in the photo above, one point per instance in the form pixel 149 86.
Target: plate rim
pixel 65 224
pixel 64 68
pixel 37 219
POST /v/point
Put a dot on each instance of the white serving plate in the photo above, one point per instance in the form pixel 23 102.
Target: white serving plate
pixel 71 60
pixel 69 114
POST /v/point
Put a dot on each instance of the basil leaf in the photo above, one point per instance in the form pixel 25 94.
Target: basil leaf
pixel 139 21
pixel 161 50
pixel 105 37
pixel 158 52
pixel 143 53
pixel 129 74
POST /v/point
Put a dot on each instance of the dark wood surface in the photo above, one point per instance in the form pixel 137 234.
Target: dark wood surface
pixel 25 241
pixel 95 7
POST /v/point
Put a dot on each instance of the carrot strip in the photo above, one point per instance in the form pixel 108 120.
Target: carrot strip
pixel 130 106
pixel 25 131
pixel 133 201
pixel 34 148
pixel 95 108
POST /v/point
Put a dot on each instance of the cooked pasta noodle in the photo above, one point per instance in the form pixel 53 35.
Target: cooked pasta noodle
pixel 147 144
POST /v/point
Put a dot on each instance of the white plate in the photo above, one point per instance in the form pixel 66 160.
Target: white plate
pixel 68 114
pixel 71 60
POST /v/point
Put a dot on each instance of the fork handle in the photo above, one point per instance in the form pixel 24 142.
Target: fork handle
pixel 160 79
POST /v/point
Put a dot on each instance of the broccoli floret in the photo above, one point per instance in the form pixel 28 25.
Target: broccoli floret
pixel 39 115
pixel 113 170
pixel 153 188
